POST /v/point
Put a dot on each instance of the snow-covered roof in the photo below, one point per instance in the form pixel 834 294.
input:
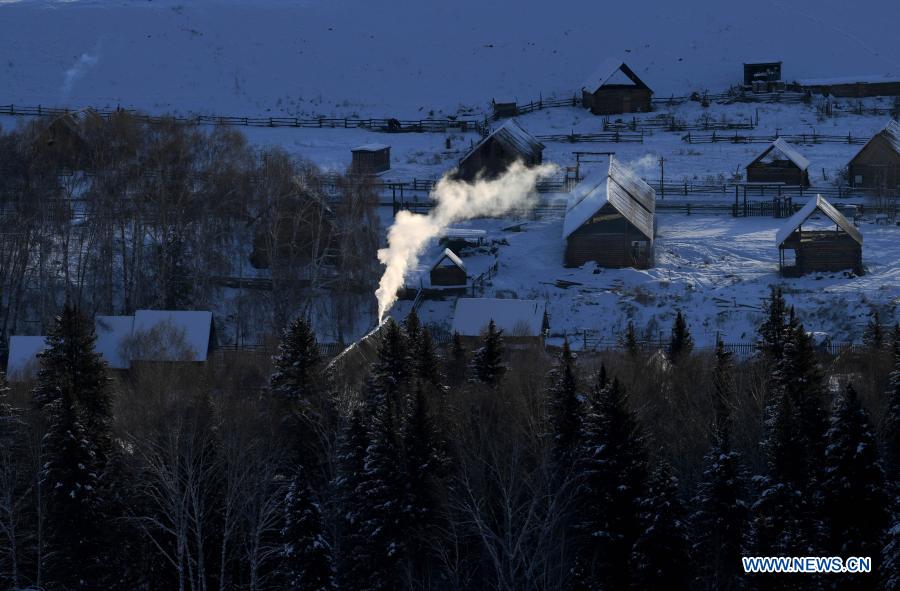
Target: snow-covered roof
pixel 513 137
pixel 819 203
pixel 606 73
pixel 113 334
pixel 863 79
pixel 618 187
pixel 464 233
pixel 23 362
pixel 890 133
pixel 185 335
pixel 788 151
pixel 370 148
pixel 449 254
pixel 513 317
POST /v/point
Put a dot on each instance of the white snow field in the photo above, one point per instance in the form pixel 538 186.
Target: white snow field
pixel 405 58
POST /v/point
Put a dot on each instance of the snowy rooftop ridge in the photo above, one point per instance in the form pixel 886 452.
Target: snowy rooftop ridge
pixel 607 70
pixel 618 187
pixel 891 133
pixel 369 148
pixel 821 204
pixel 513 317
pixel 512 136
pixel 449 254
pixel 789 152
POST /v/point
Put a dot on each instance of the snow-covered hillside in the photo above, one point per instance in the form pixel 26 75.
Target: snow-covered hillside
pixel 405 58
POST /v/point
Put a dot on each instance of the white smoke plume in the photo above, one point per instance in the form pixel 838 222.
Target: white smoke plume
pixel 645 165
pixel 456 201
pixel 76 72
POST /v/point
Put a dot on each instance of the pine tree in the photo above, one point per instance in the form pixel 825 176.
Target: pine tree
pixel 629 341
pixel 890 426
pixel 296 376
pixel 487 362
pixel 612 476
pixel 722 386
pixel 412 326
pixel 661 555
pixel 380 495
pixel 890 556
pixel 351 459
pixel 771 331
pixel 855 500
pixel 306 562
pixel 12 481
pixel 565 409
pixel 458 363
pixel 393 367
pixel 681 344
pixel 873 335
pixel 427 361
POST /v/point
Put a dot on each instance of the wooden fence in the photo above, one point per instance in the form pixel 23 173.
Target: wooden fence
pixel 614 137
pixel 668 122
pixel 803 138
pixel 532 106
pixel 385 124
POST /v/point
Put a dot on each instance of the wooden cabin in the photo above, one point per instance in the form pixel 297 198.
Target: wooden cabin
pixel 877 165
pixel 779 163
pixel 449 271
pixel 504 108
pixel 492 155
pixel 811 250
pixel 614 88
pixel 853 86
pixel 524 322
pixel 371 159
pixel 762 76
pixel 610 220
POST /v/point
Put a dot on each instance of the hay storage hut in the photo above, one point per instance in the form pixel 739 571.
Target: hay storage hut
pixel 807 251
pixel 448 271
pixel 492 155
pixel 371 159
pixel 610 220
pixel 877 165
pixel 779 163
pixel 614 88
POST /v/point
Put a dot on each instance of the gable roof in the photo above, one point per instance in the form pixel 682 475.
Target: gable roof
pixel 513 317
pixel 23 363
pixel 619 187
pixel 605 72
pixel 192 331
pixel 788 151
pixel 513 137
pixel 449 254
pixel 370 148
pixel 819 203
pixel 890 132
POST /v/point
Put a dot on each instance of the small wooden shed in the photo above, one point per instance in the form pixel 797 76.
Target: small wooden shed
pixel 371 159
pixel 449 270
pixel 610 220
pixel 807 251
pixel 877 165
pixel 766 72
pixel 614 88
pixel 492 155
pixel 779 163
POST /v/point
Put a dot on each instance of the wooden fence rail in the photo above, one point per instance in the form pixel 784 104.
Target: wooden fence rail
pixel 614 137
pixel 803 138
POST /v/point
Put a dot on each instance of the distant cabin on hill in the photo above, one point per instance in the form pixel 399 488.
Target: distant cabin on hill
pixel 877 164
pixel 779 163
pixel 610 220
pixel 523 322
pixel 448 271
pixel 818 249
pixel 614 88
pixel 492 155
pixel 762 76
pixel 371 159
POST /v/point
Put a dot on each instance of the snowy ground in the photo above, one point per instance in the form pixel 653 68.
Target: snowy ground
pixel 717 269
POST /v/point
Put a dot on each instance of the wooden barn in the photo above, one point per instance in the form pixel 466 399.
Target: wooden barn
pixel 371 159
pixel 610 220
pixel 854 86
pixel 877 165
pixel 614 88
pixel 492 155
pixel 818 249
pixel 761 76
pixel 448 271
pixel 523 322
pixel 779 163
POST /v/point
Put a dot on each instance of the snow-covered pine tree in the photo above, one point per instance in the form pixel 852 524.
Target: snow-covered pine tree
pixel 720 521
pixel 564 408
pixel 873 335
pixel 393 368
pixel 297 367
pixel 380 494
pixel 351 459
pixel 487 361
pixel 412 327
pixel 611 474
pixel 457 364
pixel 890 556
pixel 306 562
pixel 855 500
pixel 660 559
pixel 681 344
pixel 890 425
pixel 771 331
pixel 427 361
